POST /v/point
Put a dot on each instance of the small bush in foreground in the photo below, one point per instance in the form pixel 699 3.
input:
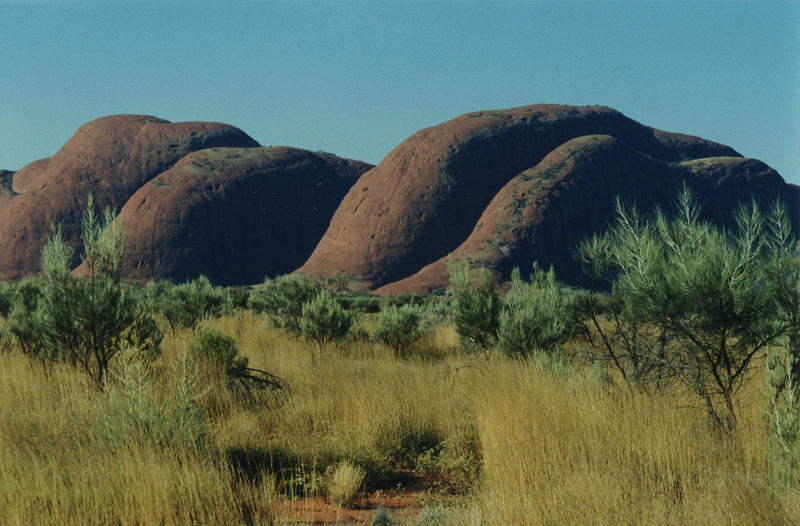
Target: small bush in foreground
pixel 344 484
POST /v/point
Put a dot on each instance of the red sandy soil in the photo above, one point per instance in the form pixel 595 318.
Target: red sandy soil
pixel 401 505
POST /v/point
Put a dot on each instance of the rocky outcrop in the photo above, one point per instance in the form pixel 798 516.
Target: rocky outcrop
pixel 235 215
pixel 541 214
pixel 28 174
pixel 426 197
pixel 112 158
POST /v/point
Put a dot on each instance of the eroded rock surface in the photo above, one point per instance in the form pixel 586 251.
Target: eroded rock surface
pixel 426 197
pixel 112 158
pixel 234 214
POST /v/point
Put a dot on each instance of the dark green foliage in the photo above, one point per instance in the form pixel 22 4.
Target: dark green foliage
pixel 237 297
pixel 6 298
pixel 406 298
pixel 24 317
pixel 610 338
pixel 399 328
pixel 282 299
pixel 534 317
pixel 477 308
pixel 324 320
pixel 184 306
pixel 219 351
pixel 366 304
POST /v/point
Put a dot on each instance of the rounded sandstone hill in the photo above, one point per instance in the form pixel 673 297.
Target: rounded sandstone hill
pixel 423 200
pixel 542 214
pixel 29 173
pixel 111 157
pixel 235 215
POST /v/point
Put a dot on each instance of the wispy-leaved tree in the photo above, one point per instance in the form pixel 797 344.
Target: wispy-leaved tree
pixel 88 319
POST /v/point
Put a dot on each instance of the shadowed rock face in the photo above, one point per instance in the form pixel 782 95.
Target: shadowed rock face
pixel 424 199
pixel 541 214
pixel 234 214
pixel 112 158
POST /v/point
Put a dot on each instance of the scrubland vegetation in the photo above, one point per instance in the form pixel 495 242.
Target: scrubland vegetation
pixel 663 393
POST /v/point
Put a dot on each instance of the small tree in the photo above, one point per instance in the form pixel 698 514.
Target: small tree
pixel 534 317
pixel 399 328
pixel 709 293
pixel 477 309
pixel 324 321
pixel 87 320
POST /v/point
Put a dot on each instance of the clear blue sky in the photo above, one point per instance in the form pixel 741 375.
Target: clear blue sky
pixel 357 77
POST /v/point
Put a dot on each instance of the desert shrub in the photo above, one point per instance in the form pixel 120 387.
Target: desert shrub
pixel 708 297
pixel 132 411
pixel 534 316
pixel 185 306
pixel 783 420
pixel 324 321
pixel 24 318
pixel 87 320
pixel 406 298
pixel 344 483
pixel 237 297
pixel 366 304
pixel 476 309
pixel 282 300
pixel 219 351
pixel 6 298
pixel 399 328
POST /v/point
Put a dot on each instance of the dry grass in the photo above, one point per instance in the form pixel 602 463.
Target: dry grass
pixel 550 448
pixel 344 484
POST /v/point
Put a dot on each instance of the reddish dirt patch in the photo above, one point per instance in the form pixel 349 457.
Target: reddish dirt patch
pixel 400 504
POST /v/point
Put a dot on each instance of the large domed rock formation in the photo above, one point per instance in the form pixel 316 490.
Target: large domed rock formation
pixel 234 214
pixel 427 196
pixel 542 213
pixel 112 158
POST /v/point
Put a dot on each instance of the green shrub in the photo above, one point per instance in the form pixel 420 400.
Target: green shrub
pixel 534 317
pixel 87 320
pixel 399 328
pixel 324 321
pixel 219 350
pixel 406 298
pixel 131 411
pixel 6 298
pixel 184 306
pixel 477 308
pixel 713 301
pixel 366 304
pixel 282 300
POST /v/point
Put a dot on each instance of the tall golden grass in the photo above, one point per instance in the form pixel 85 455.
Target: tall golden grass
pixel 552 445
